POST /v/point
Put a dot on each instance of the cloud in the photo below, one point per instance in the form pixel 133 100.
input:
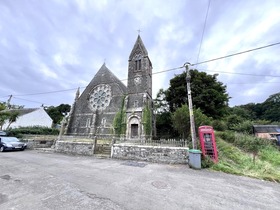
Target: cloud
pixel 54 45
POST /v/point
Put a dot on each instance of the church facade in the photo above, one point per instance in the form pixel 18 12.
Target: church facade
pixel 108 108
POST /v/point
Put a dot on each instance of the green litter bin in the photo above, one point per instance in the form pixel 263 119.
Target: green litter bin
pixel 195 158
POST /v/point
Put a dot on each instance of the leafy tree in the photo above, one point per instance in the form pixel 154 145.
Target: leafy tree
pixel 181 121
pixel 164 125
pixel 242 112
pixel 8 115
pixel 160 103
pixel 163 116
pixel 57 113
pixel 12 118
pixel 208 94
pixel 233 120
pixel 4 116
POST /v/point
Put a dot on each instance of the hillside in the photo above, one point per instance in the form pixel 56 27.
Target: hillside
pixel 237 161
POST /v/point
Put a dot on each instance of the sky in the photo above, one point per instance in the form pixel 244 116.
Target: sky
pixel 49 48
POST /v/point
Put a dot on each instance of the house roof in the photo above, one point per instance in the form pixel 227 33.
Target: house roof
pixel 266 128
pixel 21 111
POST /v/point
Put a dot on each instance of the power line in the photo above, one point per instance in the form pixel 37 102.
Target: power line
pixel 238 73
pixel 239 53
pixel 43 93
pixel 251 83
pixel 204 26
pixel 30 100
pixel 167 70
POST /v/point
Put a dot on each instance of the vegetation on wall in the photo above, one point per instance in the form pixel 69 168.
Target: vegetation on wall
pixel 147 120
pixel 119 122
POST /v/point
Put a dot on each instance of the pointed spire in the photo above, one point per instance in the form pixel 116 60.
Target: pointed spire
pixel 77 94
pixel 139 45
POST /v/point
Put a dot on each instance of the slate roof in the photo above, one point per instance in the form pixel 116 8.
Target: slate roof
pixel 266 128
pixel 103 76
pixel 21 111
pixel 138 44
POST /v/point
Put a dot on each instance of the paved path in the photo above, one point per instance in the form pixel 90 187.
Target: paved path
pixel 45 180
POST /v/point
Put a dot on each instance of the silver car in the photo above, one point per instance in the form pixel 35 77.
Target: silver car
pixel 11 143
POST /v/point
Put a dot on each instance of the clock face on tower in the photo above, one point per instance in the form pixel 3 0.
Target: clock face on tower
pixel 137 80
pixel 100 97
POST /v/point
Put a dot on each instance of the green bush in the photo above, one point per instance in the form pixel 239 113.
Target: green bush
pixel 219 125
pixel 206 162
pixel 244 127
pixel 36 130
pixel 228 136
pixel 250 143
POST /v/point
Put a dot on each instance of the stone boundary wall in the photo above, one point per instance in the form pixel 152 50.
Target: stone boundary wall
pixel 39 141
pixel 75 148
pixel 155 154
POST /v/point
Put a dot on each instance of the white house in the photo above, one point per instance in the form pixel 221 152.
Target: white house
pixel 31 117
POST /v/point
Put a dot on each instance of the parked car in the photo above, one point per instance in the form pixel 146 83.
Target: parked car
pixel 11 143
pixel 3 133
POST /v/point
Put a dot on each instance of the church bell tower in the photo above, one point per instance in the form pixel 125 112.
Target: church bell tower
pixel 139 92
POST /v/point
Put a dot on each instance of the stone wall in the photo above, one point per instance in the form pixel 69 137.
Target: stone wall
pixel 74 148
pixel 156 154
pixel 39 141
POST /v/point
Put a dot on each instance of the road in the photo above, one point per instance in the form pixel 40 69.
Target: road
pixel 45 180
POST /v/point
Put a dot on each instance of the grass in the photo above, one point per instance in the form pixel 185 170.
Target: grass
pixel 236 161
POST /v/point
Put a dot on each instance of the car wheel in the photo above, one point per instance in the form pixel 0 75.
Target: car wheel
pixel 22 149
pixel 2 149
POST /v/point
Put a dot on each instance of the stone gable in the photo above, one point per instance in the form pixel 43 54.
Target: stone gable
pixel 94 111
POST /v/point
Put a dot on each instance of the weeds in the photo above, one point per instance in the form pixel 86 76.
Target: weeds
pixel 234 160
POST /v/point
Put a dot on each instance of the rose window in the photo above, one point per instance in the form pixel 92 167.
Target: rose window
pixel 100 97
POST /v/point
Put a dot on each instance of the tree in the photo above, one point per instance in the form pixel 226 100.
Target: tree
pixel 57 113
pixel 12 118
pixel 4 116
pixel 208 94
pixel 160 103
pixel 181 120
pixel 164 126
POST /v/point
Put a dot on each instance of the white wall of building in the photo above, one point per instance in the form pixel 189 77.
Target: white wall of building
pixel 38 117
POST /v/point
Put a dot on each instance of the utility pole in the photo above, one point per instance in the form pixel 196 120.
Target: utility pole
pixel 9 102
pixel 188 80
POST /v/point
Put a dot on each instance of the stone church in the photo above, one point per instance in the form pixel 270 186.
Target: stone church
pixel 108 108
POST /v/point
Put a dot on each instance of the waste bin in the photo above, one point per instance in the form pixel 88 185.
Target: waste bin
pixel 195 158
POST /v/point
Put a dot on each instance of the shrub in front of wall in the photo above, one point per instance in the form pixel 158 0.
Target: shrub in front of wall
pixel 35 130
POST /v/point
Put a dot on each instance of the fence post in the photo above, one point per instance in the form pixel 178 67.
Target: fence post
pixel 94 144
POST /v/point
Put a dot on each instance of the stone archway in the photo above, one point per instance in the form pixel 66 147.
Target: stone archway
pixel 134 128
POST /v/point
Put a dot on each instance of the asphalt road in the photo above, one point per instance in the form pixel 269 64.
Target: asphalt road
pixel 45 180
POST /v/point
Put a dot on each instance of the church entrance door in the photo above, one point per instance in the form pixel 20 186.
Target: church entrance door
pixel 134 130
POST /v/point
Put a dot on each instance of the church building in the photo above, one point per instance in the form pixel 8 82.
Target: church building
pixel 108 108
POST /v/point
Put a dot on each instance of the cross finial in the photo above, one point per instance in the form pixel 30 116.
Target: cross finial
pixel 139 31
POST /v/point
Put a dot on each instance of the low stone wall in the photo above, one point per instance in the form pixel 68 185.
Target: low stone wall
pixel 39 141
pixel 74 148
pixel 156 154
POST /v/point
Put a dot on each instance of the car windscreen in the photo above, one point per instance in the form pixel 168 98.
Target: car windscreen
pixel 9 139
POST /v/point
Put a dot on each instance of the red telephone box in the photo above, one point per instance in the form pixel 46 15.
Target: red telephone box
pixel 208 142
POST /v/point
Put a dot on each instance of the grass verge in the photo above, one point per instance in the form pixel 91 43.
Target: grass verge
pixel 235 161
